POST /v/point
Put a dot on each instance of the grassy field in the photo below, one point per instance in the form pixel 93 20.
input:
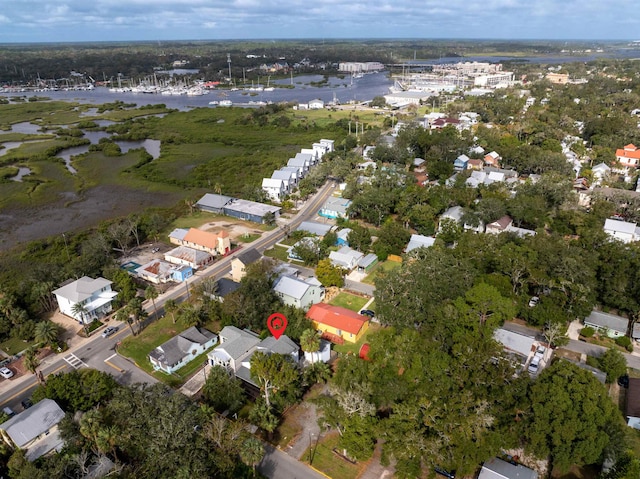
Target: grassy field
pixel 325 460
pixel 277 252
pixel 15 345
pixel 383 267
pixel 354 348
pixel 349 301
pixel 137 348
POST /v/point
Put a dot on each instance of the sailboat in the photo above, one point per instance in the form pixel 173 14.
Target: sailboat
pixel 268 88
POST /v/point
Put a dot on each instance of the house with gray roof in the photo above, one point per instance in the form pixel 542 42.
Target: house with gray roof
pixel 182 349
pixel 297 292
pixel 275 188
pixel 213 203
pixel 95 295
pixel 366 263
pixel 188 256
pixel 302 164
pixel 225 287
pixel 295 172
pixel 499 469
pixel 419 241
pixel 289 177
pixel 237 347
pixel 343 237
pixel 313 227
pixel 515 342
pixel 624 231
pixel 251 210
pixel 241 261
pixel 335 208
pixel 35 429
pixel 610 324
pixel 345 257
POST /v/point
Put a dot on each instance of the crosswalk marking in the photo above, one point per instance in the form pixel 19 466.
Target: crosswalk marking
pixel 74 361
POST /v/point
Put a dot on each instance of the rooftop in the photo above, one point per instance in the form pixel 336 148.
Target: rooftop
pixel 337 317
pixel 30 423
pixel 81 289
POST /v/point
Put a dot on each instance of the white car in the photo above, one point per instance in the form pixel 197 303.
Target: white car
pixel 6 372
pixel 534 365
pixel 534 301
pixel 540 352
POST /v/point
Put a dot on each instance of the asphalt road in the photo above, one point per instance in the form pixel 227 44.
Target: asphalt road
pixel 279 465
pixel 99 353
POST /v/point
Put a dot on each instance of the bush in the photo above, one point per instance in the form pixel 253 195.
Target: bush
pixel 587 332
pixel 624 341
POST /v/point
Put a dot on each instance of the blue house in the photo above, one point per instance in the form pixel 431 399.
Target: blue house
pixel 461 163
pixel 342 237
pixel 180 273
pixel 335 208
pixel 182 349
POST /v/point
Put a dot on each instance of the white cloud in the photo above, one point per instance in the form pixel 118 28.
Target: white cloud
pixel 134 19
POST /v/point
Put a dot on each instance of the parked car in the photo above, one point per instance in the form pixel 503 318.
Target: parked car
pixel 26 403
pixel 6 372
pixel 534 301
pixel 540 352
pixel 108 331
pixel 534 365
pixel 445 473
pixel 8 411
pixel 368 312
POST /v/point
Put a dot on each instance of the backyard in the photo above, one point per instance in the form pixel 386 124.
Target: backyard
pixel 349 301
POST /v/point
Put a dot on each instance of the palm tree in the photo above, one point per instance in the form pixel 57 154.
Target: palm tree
pixel 310 342
pixel 152 293
pixel 252 452
pixel 124 315
pixel 79 309
pixel 31 361
pixel 135 309
pixel 47 332
pixel 171 306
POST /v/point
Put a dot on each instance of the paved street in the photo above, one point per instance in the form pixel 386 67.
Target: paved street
pixel 278 465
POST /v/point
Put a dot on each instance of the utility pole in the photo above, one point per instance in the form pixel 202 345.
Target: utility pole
pixel 229 63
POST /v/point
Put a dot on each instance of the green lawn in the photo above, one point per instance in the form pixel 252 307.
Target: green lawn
pixel 138 347
pixel 15 345
pixel 325 460
pixel 354 348
pixel 248 238
pixel 349 301
pixel 383 267
pixel 277 252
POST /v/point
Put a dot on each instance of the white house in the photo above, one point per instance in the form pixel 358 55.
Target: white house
pixel 622 230
pixel 181 349
pixel 94 295
pixel 346 258
pixel 35 429
pixel 295 173
pixel 290 179
pixel 274 188
pixel 302 164
pixel 316 104
pixel 299 293
pixel 335 208
pixel 600 172
pixel 419 241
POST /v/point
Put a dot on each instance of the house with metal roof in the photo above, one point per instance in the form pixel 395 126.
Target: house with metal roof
pixel 289 177
pixel 188 256
pixel 419 241
pixel 95 295
pixel 275 188
pixel 213 203
pixel 610 324
pixel 238 345
pixel 366 263
pixel 35 429
pixel 499 469
pixel 624 231
pixel 313 227
pixel 182 349
pixel 297 292
pixel 251 210
pixel 343 237
pixel 335 208
pixel 345 257
pixel 158 271
pixel 338 324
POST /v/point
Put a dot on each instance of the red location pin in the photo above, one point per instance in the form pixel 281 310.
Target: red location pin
pixel 277 323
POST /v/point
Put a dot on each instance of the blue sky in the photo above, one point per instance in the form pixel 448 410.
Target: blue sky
pixel 121 20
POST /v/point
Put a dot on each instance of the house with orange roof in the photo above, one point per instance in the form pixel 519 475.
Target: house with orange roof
pixel 627 157
pixel 338 324
pixel 492 159
pixel 213 243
